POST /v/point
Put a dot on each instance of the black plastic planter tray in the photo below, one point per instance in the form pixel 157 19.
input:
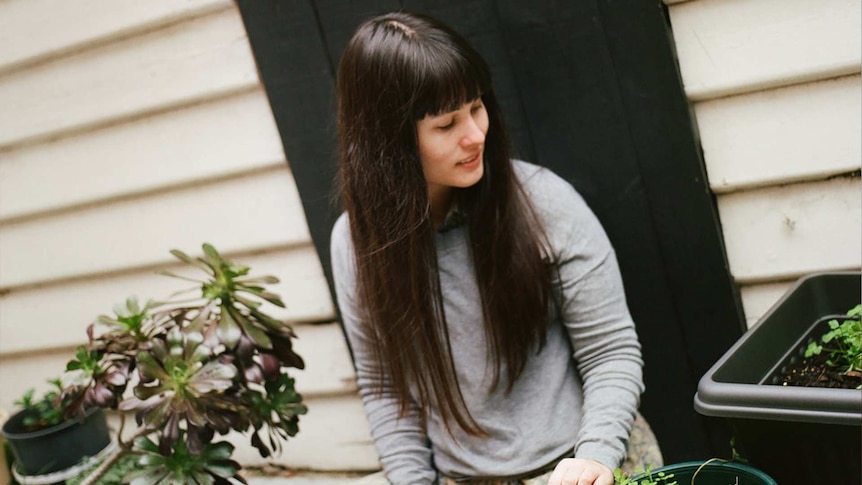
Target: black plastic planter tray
pixel 801 435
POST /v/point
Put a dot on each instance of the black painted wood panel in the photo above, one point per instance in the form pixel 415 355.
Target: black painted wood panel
pixel 683 211
pixel 570 85
pixel 590 88
pixel 295 70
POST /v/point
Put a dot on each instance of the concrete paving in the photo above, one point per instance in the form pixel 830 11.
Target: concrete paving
pixel 306 480
pixel 288 478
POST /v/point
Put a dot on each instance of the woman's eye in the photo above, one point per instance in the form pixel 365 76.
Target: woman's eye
pixel 476 108
pixel 447 126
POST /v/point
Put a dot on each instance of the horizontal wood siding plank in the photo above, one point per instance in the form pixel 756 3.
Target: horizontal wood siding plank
pixel 190 61
pixel 334 435
pixel 32 371
pixel 787 231
pixel 57 315
pixel 328 370
pixel 807 131
pixel 758 299
pixel 735 46
pixel 31 30
pixel 208 140
pixel 301 285
pixel 254 212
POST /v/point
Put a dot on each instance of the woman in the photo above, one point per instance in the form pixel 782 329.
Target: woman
pixel 480 296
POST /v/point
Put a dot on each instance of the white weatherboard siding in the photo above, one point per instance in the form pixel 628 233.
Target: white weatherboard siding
pixel 215 139
pixel 180 64
pixel 75 304
pixel 328 370
pixel 27 38
pixel 788 231
pixel 758 299
pixel 737 46
pixel 335 424
pixel 797 133
pixel 131 128
pixel 334 436
pixel 237 214
pixel 776 92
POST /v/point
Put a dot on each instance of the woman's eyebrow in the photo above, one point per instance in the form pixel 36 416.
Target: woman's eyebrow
pixel 456 110
pixel 441 116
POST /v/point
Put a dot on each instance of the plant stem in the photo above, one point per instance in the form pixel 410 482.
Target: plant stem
pixel 123 448
pixel 106 465
pixel 120 431
pixel 707 462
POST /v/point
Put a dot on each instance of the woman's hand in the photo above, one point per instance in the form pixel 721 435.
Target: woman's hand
pixel 578 471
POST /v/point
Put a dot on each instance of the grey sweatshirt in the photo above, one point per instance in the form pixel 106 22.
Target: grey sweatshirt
pixel 579 395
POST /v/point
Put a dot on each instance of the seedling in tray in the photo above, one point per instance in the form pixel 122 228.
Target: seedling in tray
pixel 842 343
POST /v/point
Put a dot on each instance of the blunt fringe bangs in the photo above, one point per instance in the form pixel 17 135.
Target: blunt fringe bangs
pixel 447 79
pixel 420 63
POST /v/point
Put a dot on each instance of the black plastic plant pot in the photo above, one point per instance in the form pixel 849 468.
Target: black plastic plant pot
pixel 58 447
pixel 798 435
pixel 712 473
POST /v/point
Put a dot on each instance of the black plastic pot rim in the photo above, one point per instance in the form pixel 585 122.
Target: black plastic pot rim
pixel 14 435
pixel 66 474
pixel 781 403
pixel 787 414
pixel 703 469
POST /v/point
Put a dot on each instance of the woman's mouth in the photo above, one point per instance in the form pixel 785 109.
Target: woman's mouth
pixel 472 161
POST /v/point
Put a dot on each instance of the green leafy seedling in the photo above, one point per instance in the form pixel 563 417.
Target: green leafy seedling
pixel 659 478
pixel 44 412
pixel 842 343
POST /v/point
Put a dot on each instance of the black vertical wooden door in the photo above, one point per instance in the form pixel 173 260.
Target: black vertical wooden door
pixel 591 89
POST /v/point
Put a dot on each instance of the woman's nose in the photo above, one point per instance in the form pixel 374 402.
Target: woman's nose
pixel 475 135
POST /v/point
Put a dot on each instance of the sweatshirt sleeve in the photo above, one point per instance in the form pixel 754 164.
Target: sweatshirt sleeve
pixel 400 441
pixel 594 311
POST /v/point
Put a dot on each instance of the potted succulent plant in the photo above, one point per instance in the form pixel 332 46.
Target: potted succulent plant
pixel 45 438
pixel 191 368
pixel 778 421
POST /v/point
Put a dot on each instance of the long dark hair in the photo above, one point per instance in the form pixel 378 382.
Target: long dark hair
pixel 397 69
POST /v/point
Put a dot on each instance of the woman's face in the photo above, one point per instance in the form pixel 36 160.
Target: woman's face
pixel 451 147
